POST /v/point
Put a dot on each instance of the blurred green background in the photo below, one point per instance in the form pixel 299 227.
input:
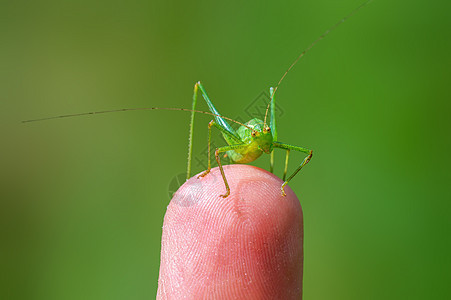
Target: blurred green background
pixel 83 199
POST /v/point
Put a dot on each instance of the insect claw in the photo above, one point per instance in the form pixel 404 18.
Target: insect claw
pixel 283 191
pixel 225 195
pixel 203 174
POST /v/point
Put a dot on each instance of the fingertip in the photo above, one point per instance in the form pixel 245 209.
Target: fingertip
pixel 248 245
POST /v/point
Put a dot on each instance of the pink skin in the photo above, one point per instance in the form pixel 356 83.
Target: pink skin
pixel 246 246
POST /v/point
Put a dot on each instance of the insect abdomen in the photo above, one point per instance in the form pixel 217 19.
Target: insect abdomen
pixel 246 155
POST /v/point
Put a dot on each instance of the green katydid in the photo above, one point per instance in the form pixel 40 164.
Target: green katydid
pixel 246 144
pixel 250 140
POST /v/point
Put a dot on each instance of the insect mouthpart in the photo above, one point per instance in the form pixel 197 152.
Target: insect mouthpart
pixel 267 148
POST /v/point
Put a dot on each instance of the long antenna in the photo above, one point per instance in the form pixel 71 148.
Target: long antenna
pixel 311 46
pixel 129 109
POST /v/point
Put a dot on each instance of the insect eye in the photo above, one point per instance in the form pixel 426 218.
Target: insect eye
pixel 267 129
pixel 254 133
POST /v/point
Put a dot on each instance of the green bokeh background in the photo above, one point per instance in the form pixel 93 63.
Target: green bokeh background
pixel 83 199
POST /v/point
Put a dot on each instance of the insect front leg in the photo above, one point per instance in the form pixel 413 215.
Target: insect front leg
pixel 226 134
pixel 296 148
pixel 238 145
pixel 218 159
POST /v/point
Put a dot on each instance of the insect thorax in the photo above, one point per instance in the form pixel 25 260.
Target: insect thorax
pixel 256 145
